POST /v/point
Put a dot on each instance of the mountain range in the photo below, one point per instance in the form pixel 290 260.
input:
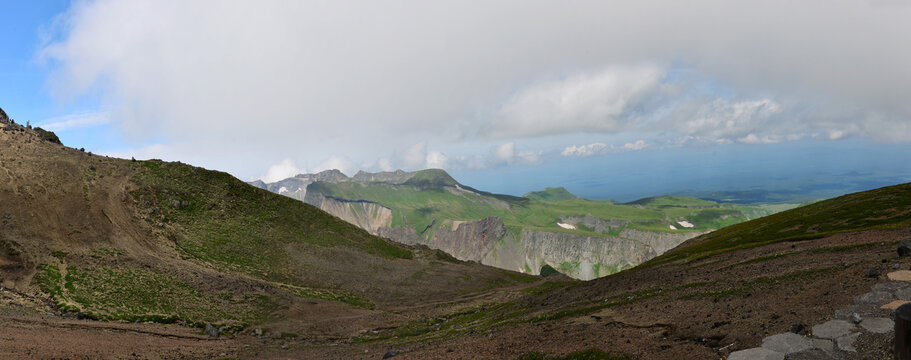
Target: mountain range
pixel 584 239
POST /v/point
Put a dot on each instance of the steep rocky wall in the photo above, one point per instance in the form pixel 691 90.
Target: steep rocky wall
pixel 660 241
pixel 586 254
pixel 469 240
pixel 367 215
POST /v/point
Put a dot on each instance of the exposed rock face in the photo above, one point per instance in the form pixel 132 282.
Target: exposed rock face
pixel 367 215
pixel 592 252
pixel 403 235
pixel 469 240
pixel 599 225
pixel 660 241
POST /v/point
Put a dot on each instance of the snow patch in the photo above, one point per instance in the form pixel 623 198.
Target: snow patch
pixel 672 227
pixel 566 226
pixel 686 224
pixel 282 190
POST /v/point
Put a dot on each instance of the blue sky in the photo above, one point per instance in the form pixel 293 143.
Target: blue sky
pixel 610 100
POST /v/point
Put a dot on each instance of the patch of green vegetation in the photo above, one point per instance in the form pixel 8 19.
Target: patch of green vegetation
pixel 137 294
pixel 590 354
pixel 548 270
pixel 519 277
pixel 349 298
pixel 47 135
pixel 60 254
pixel 880 209
pixel 48 278
pixel 442 255
pixel 548 287
pixel 551 194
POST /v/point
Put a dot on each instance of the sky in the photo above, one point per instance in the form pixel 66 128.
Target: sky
pixel 609 99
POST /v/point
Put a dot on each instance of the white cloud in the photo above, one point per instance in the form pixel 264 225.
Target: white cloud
pixel 76 121
pixel 270 79
pixel 415 156
pixel 637 145
pixel 505 152
pixel 588 102
pixel 436 160
pixel 586 150
pixel 283 170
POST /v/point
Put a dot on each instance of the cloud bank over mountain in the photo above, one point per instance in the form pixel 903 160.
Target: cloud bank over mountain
pixel 478 84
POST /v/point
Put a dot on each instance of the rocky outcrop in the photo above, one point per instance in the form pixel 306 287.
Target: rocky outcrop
pixel 660 241
pixel 402 235
pixel 599 225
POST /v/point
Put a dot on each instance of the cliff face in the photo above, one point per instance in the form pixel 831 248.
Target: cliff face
pixel 595 256
pixel 367 215
pixel 660 241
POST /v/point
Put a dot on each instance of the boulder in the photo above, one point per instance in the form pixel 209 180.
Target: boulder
pixel 878 325
pixel 904 247
pixel 833 329
pixel 756 354
pixel 211 330
pixel 787 343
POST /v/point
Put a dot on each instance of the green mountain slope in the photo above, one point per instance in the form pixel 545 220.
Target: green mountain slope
pixel 551 194
pixel 884 208
pixel 124 240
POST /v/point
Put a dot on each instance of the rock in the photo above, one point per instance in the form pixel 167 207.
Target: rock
pixel 873 273
pixel 92 167
pixel 787 343
pixel 284 346
pixel 812 354
pixel 832 329
pixel 756 354
pixel 904 247
pixel 894 305
pixel 822 344
pixel 878 325
pixel 846 343
pixel 891 286
pixel 855 318
pixel 896 266
pixel 901 275
pixel 903 294
pixel 211 330
pixel 389 354
pixel 258 332
pixel 873 298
